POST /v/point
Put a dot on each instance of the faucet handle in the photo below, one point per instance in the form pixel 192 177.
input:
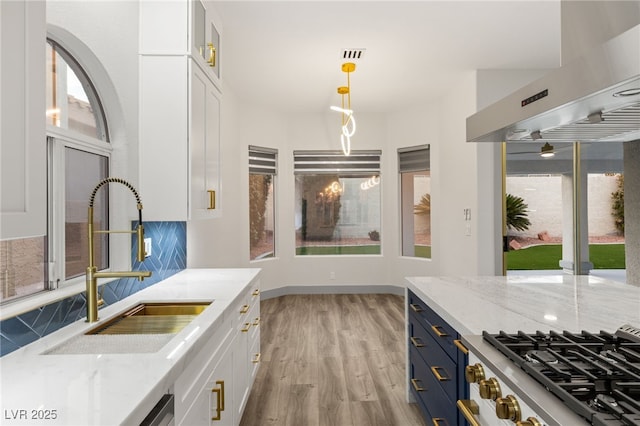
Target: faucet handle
pixel 141 251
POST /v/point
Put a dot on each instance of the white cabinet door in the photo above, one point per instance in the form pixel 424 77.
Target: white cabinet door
pixel 213 405
pixel 23 208
pixel 204 145
pixel 164 108
pixel 179 113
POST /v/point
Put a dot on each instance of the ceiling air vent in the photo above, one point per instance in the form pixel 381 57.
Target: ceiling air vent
pixel 352 53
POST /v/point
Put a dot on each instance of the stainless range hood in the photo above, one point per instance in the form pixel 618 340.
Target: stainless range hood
pixel 593 98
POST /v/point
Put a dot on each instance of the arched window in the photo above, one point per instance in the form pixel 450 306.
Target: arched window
pixel 79 158
pixel 72 101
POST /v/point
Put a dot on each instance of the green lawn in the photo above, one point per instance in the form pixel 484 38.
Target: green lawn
pixel 320 250
pixel 547 256
pixel 421 251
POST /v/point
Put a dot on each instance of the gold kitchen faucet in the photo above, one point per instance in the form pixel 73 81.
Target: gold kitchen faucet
pixel 92 272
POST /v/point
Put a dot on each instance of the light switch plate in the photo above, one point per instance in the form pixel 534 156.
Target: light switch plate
pixel 147 247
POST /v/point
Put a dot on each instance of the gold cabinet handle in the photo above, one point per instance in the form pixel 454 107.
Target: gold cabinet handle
pixel 437 421
pixel 212 55
pixel 439 376
pixel 531 421
pixel 244 309
pixel 439 333
pixel 257 358
pixel 469 409
pixel 247 326
pixel 461 347
pixel 416 386
pixel 219 400
pixel 256 292
pixel 212 199
pixel 256 321
pixel 416 342
pixel 416 308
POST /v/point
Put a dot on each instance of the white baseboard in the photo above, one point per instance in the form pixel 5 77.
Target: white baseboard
pixel 332 289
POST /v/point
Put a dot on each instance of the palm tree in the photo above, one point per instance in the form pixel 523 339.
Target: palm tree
pixel 424 206
pixel 517 213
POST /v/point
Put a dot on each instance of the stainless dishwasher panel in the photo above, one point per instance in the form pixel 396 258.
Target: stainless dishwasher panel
pixel 162 414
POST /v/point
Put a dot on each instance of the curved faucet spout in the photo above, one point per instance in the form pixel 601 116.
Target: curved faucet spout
pixel 92 273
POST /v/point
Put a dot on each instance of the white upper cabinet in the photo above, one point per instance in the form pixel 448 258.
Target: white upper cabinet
pixel 180 103
pixel 23 196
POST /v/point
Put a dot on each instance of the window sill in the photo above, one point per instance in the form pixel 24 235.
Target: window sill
pixel 43 298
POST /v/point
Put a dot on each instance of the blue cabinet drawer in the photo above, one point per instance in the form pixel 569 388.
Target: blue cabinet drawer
pixel 443 333
pixel 438 409
pixel 442 368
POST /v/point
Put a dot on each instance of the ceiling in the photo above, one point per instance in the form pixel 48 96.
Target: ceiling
pixel 287 54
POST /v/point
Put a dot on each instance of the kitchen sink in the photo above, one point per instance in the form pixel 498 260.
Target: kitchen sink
pixel 152 318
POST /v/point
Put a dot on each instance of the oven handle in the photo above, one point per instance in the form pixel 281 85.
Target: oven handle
pixel 469 409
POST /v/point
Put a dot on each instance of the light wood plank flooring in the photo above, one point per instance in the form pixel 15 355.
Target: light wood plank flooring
pixel 331 360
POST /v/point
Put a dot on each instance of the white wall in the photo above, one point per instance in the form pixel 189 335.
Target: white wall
pixel 588 23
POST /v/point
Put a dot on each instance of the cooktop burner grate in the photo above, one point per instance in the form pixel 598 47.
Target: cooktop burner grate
pixel 597 375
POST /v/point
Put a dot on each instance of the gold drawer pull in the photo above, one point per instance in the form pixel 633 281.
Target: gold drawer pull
pixel 257 358
pixel 256 321
pixel 256 292
pixel 212 55
pixel 461 346
pixel 469 409
pixel 439 333
pixel 439 421
pixel 244 309
pixel 416 308
pixel 247 326
pixel 219 400
pixel 439 376
pixel 212 199
pixel 416 342
pixel 416 386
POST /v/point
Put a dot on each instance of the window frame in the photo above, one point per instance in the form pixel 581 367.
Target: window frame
pixel 59 139
pixel 408 162
pixel 260 166
pixel 359 164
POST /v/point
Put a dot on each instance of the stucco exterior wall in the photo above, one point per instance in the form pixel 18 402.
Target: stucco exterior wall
pixel 543 195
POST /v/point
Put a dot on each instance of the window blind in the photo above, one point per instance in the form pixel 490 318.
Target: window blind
pixel 263 161
pixel 357 163
pixel 414 159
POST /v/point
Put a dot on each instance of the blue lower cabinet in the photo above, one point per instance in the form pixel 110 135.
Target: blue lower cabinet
pixel 437 365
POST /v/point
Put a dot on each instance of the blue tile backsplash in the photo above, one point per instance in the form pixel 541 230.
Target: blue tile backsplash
pixel 168 257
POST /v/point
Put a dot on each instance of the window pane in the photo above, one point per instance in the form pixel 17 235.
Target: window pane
pixel 337 214
pixel 83 172
pixel 416 214
pixel 261 216
pixel 22 267
pixel 71 100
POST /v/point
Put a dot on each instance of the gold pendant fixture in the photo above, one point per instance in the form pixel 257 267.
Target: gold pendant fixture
pixel 348 128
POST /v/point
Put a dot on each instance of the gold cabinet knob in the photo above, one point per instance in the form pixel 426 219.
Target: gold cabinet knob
pixel 531 421
pixel 508 408
pixel 490 389
pixel 474 373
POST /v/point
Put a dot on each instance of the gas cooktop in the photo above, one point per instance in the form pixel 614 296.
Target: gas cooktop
pixel 597 375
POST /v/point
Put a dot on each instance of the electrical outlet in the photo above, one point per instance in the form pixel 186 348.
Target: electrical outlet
pixel 147 247
pixel 332 275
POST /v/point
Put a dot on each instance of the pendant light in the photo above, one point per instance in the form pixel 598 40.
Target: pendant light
pixel 348 128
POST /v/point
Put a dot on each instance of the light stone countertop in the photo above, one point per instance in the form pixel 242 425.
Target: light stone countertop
pixel 115 388
pixel 528 303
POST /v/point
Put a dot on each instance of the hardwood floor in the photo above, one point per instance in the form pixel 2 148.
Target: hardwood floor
pixel 331 360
